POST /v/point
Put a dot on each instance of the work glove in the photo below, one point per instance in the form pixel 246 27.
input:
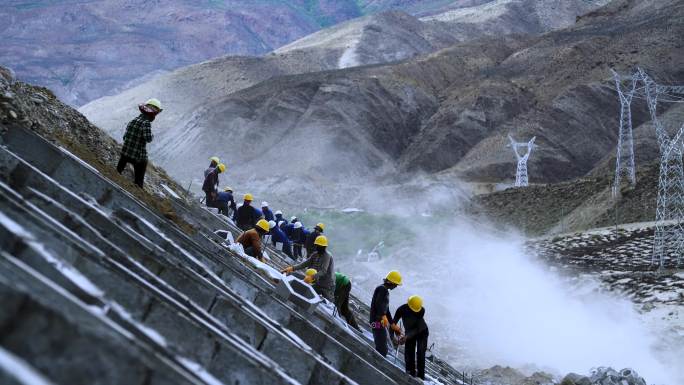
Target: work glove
pixel 309 279
pixel 396 328
pixel 384 322
pixel 287 270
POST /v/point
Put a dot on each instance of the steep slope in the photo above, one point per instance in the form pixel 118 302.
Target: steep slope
pixel 98 287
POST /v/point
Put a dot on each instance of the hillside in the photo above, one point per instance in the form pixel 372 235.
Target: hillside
pixel 101 284
pixel 83 50
pixel 447 112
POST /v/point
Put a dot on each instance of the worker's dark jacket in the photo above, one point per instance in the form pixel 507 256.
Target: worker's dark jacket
pixel 310 239
pixel 246 217
pixel 379 306
pixel 211 183
pixel 414 323
pixel 280 221
pixel 325 267
pixel 138 134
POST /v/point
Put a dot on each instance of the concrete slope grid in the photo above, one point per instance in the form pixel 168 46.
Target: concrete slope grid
pixel 96 282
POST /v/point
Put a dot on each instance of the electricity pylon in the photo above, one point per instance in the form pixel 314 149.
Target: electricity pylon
pixel 624 162
pixel 521 178
pixel 669 233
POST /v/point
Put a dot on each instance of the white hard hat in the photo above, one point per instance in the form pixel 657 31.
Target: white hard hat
pixel 293 218
pixel 298 225
pixel 271 224
pixel 278 212
pixel 264 204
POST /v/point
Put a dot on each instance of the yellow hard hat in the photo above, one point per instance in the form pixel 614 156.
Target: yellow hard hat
pixel 263 224
pixel 228 188
pixel 249 197
pixel 321 240
pixel 215 159
pixel 311 271
pixel 154 103
pixel 320 226
pixel 394 277
pixel 221 167
pixel 415 303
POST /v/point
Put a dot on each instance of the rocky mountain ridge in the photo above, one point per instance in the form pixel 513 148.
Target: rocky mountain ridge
pixel 449 112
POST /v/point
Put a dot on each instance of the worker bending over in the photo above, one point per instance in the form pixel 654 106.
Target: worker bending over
pixel 268 214
pixel 380 315
pixel 343 288
pixel 322 262
pixel 226 203
pixel 251 240
pixel 413 315
pixel 278 236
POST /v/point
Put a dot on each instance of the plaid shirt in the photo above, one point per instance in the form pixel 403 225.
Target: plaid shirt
pixel 138 134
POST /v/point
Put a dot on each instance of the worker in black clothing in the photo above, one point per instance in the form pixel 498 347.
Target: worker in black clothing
pixel 311 237
pixel 380 315
pixel 246 216
pixel 413 313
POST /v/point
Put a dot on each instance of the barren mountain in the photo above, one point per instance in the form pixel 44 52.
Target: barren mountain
pixel 447 112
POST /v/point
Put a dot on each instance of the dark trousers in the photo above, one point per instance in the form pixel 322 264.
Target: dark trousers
pixel 420 343
pixel 342 303
pixel 287 249
pixel 380 339
pixel 139 167
pixel 297 248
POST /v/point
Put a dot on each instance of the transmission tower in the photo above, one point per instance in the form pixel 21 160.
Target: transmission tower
pixel 521 179
pixel 669 233
pixel 624 162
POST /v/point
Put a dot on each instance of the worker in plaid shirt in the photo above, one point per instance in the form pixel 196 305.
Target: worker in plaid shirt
pixel 138 134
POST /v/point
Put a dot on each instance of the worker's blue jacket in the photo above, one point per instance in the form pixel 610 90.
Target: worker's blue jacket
pixel 268 214
pixel 277 235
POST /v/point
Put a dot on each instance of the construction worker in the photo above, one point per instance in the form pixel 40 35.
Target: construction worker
pixel 225 201
pixel 214 161
pixel 379 311
pixel 138 134
pixel 278 236
pixel 210 185
pixel 412 313
pixel 247 216
pixel 267 213
pixel 311 237
pixel 251 239
pixel 280 221
pixel 343 288
pixel 297 234
pixel 322 262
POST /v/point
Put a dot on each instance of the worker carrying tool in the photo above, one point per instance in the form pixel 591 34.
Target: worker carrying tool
pixel 324 265
pixel 311 237
pixel 138 134
pixel 279 237
pixel 210 185
pixel 343 288
pixel 251 240
pixel 416 337
pixel 213 162
pixel 380 315
pixel 247 216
